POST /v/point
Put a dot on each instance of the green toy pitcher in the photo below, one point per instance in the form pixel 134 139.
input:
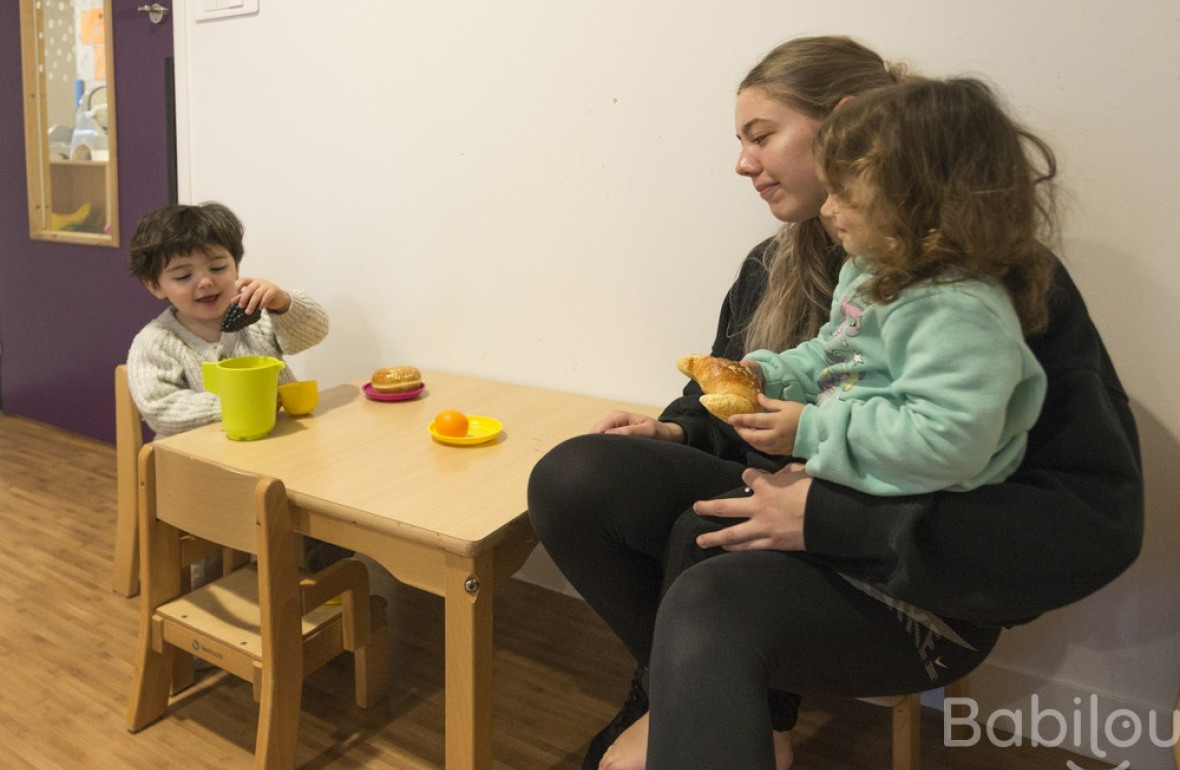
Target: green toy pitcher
pixel 248 389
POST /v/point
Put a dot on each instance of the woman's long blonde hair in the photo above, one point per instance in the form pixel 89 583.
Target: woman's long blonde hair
pixel 810 75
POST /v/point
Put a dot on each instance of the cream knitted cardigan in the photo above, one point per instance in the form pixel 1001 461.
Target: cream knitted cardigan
pixel 164 363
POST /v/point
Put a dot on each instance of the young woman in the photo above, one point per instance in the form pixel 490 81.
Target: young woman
pixel 728 623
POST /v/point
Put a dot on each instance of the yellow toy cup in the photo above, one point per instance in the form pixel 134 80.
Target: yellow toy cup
pixel 299 398
pixel 248 389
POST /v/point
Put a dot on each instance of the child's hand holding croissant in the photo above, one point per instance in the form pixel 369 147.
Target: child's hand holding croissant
pixel 732 393
pixel 772 431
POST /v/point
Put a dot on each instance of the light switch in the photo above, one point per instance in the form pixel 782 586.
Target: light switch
pixel 207 10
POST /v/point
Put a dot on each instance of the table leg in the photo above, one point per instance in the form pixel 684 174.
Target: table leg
pixel 468 598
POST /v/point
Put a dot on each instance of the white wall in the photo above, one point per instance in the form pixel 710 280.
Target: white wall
pixel 525 190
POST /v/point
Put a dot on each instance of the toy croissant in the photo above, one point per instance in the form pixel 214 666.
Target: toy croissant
pixel 729 388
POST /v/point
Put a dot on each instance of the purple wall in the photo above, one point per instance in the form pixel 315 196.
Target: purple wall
pixel 68 312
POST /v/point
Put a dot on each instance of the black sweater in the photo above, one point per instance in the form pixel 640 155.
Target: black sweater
pixel 1065 524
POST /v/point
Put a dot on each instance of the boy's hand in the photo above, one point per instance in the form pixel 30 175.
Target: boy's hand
pixel 772 431
pixel 261 294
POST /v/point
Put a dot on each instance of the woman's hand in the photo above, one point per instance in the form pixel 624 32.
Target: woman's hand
pixel 772 431
pixel 773 512
pixel 631 424
pixel 255 293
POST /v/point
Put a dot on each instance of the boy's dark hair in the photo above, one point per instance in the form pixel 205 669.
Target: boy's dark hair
pixel 181 229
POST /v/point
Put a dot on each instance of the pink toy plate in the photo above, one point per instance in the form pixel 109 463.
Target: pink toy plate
pixel 373 395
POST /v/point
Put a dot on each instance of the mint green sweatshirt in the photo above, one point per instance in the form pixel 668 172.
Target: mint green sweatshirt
pixel 935 390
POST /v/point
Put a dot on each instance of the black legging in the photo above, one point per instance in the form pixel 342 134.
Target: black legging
pixel 718 629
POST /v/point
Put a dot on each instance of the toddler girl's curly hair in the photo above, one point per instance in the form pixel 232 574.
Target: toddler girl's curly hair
pixel 958 188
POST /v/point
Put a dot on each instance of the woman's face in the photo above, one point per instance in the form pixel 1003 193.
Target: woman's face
pixel 776 155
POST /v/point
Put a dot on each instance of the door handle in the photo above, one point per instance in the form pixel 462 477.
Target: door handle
pixel 155 12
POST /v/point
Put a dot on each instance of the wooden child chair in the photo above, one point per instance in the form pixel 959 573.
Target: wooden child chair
pixel 906 714
pixel 264 622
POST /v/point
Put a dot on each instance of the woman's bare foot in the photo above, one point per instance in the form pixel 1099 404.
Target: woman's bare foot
pixel 784 755
pixel 629 751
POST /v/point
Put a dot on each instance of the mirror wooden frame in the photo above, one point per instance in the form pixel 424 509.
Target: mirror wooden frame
pixel 71 199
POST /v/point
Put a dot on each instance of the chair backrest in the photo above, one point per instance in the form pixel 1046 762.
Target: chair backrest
pixel 128 442
pixel 210 501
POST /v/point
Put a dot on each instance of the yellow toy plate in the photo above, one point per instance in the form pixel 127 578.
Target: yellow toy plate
pixel 479 430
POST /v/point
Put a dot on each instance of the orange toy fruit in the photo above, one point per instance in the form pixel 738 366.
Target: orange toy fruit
pixel 451 422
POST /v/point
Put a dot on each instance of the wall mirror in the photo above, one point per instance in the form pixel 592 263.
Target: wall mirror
pixel 68 61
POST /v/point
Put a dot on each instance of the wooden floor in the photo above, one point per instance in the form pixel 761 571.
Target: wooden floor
pixel 66 641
